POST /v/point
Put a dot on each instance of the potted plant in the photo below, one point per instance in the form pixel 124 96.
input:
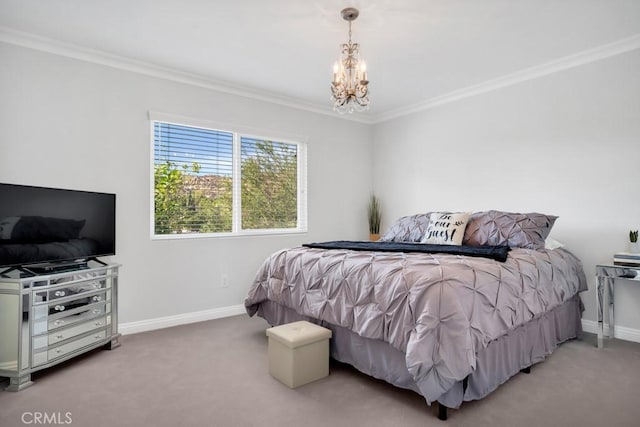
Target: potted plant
pixel 374 215
pixel 634 247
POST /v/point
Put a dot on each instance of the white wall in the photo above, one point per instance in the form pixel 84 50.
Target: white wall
pixel 566 144
pixel 73 124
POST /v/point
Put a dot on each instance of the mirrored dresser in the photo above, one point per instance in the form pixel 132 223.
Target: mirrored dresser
pixel 46 319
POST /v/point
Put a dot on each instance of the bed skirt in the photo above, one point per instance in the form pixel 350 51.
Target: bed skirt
pixel 500 360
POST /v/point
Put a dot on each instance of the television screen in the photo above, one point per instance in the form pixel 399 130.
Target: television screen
pixel 41 225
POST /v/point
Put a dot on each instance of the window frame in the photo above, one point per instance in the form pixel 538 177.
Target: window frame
pixel 238 133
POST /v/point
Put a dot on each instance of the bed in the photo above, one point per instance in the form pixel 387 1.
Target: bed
pixel 449 325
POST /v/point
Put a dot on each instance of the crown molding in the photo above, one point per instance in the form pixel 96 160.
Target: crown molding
pixel 581 58
pixel 56 47
pixel 32 41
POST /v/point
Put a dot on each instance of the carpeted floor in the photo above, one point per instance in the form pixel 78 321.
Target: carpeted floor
pixel 215 374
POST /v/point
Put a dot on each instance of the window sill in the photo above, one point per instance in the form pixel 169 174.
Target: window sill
pixel 243 233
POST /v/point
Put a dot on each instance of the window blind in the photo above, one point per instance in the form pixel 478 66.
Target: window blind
pixel 209 182
pixel 193 179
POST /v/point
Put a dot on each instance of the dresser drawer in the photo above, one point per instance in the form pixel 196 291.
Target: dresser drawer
pixel 60 351
pixel 75 316
pixel 66 333
pixel 87 312
pixel 69 304
pixel 48 294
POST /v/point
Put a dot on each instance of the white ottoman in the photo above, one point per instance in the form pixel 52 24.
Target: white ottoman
pixel 298 353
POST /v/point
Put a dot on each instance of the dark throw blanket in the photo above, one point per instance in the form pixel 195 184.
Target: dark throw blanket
pixel 498 253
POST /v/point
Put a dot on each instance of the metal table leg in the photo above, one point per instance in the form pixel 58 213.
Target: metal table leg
pixel 610 296
pixel 600 308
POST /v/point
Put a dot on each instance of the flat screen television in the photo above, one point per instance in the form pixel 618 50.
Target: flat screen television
pixel 40 225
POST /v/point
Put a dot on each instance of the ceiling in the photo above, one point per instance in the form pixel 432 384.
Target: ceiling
pixel 416 50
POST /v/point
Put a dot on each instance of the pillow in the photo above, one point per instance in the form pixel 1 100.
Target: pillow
pixel 516 230
pixel 407 229
pixel 552 244
pixel 446 228
pixel 39 229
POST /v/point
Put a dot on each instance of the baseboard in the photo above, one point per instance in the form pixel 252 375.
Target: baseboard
pixel 620 332
pixel 179 319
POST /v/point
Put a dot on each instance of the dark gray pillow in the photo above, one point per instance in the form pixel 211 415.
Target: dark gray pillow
pixel 410 228
pixel 516 230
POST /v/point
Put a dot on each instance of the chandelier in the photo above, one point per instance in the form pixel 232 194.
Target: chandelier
pixel 349 89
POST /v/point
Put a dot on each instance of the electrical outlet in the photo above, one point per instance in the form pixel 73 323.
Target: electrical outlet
pixel 224 281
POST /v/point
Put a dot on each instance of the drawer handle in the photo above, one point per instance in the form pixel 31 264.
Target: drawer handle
pixel 58 322
pixel 59 293
pixel 97 298
pixel 98 323
pixel 59 337
pixel 59 307
pixel 59 351
pixel 95 311
pixel 97 337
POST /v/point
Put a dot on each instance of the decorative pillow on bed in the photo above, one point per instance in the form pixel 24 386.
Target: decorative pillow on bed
pixel 39 229
pixel 407 229
pixel 515 230
pixel 446 228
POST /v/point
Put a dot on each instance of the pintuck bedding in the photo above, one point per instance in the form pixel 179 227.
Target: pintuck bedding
pixel 451 327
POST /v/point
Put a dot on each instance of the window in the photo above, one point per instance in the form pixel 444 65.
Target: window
pixel 211 182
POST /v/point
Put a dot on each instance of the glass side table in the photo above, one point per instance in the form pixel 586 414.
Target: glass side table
pixel 606 274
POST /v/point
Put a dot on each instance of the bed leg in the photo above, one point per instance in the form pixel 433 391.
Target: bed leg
pixel 442 412
pixel 526 370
